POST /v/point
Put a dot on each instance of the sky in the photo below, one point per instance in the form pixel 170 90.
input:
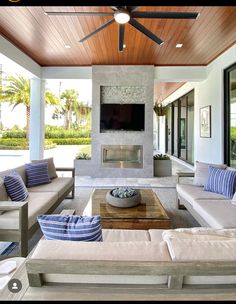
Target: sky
pixel 10 117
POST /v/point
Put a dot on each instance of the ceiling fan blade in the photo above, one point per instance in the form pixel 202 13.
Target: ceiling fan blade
pixel 165 15
pixel 98 30
pixel 145 31
pixel 114 8
pixel 121 37
pixel 132 8
pixel 78 14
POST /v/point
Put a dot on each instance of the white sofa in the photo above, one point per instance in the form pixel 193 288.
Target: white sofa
pixel 18 220
pixel 208 208
pixel 170 259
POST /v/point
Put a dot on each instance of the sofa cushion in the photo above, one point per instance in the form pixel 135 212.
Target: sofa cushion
pixel 221 181
pixel 38 203
pixel 51 167
pixel 191 193
pixel 155 235
pixel 20 170
pixel 37 174
pixel 204 244
pixel 71 227
pixel 59 185
pixel 201 172
pixel 15 187
pixel 124 235
pixel 217 213
pixel 233 200
pixel 3 193
pixel 112 251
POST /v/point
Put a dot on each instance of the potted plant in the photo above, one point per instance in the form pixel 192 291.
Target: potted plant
pixel 162 165
pixel 82 155
pixel 160 110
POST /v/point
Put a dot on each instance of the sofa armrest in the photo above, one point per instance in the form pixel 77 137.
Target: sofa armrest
pixel 21 235
pixel 73 176
pixel 184 174
pixel 10 205
pixel 66 169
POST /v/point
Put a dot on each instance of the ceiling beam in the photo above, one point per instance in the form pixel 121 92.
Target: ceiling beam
pixel 180 73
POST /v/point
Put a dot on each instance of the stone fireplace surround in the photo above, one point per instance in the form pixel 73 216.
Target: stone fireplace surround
pixel 121 84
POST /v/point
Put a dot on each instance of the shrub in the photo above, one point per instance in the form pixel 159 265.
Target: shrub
pixel 71 141
pixel 14 134
pixel 60 132
pixel 21 144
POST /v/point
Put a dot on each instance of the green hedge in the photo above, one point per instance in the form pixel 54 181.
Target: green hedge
pixel 71 141
pixel 50 133
pixel 14 134
pixel 21 144
pixel 67 134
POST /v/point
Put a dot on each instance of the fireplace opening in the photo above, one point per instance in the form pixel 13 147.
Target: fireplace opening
pixel 122 156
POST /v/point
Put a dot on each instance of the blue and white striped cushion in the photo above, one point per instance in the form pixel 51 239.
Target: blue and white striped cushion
pixel 15 187
pixel 71 227
pixel 37 174
pixel 221 181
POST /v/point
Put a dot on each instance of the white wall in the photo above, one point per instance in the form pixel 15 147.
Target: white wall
pixel 209 92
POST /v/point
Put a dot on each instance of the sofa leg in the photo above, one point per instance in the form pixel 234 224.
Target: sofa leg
pixel 23 247
pixel 180 206
pixel 72 194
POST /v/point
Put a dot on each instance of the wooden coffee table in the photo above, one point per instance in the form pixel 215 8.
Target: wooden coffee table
pixel 147 215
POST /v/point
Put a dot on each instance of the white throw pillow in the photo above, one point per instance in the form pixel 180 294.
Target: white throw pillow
pixel 201 172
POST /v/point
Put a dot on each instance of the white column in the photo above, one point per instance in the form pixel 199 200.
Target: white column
pixel 36 136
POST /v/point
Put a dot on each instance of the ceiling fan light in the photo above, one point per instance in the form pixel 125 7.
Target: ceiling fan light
pixel 122 17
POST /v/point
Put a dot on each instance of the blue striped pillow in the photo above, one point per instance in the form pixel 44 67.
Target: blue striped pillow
pixel 15 187
pixel 37 174
pixel 221 181
pixel 71 227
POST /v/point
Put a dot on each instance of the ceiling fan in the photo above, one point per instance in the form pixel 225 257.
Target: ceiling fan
pixel 127 14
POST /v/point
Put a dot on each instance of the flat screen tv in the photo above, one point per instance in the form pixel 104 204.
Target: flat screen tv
pixel 127 117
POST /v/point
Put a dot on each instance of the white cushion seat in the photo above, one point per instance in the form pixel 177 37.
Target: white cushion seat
pixel 38 203
pixel 59 185
pixel 124 235
pixel 218 213
pixel 191 193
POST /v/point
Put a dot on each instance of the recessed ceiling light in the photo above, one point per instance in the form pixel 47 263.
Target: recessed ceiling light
pixel 179 45
pixel 67 46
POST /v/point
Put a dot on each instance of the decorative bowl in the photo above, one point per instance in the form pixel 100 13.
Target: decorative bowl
pixel 123 202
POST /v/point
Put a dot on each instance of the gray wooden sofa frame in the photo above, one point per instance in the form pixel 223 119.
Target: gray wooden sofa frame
pixel 175 270
pixel 182 203
pixel 23 234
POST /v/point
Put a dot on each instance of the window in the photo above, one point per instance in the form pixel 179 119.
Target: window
pixel 230 115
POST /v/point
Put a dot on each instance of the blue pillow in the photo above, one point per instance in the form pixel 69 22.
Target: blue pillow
pixel 15 187
pixel 221 181
pixel 37 174
pixel 71 227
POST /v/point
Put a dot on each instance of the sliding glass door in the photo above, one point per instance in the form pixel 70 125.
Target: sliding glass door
pixel 230 115
pixel 182 131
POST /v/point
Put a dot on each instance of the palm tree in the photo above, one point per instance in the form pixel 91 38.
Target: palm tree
pixel 17 91
pixel 68 106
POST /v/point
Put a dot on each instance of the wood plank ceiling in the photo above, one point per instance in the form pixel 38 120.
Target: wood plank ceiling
pixel 44 37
